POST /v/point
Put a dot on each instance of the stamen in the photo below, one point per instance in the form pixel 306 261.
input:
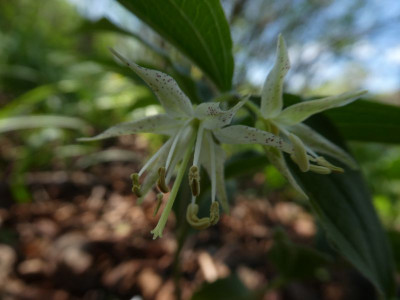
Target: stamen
pixel 136 185
pixel 159 201
pixel 197 148
pixel 175 142
pixel 320 170
pixel 158 230
pixel 214 213
pixel 173 146
pixel 299 155
pixel 161 181
pixel 323 162
pixel 193 219
pixel 194 180
pixel 154 157
pixel 213 170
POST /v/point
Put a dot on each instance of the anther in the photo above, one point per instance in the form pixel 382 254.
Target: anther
pixel 136 185
pixel 159 201
pixel 320 169
pixel 194 180
pixel 161 185
pixel 193 219
pixel 323 162
pixel 136 190
pixel 214 213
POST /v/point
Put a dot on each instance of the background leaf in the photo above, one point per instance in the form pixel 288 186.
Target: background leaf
pixel 296 261
pixel 198 28
pixel 29 122
pixel 363 120
pixel 344 207
pixel 229 288
pixel 368 121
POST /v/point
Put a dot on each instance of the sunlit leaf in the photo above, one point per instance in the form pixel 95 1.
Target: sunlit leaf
pixel 197 28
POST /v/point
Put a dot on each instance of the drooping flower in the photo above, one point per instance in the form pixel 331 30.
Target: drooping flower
pixel 191 130
pixel 288 124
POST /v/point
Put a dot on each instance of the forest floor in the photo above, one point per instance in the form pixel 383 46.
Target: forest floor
pixel 84 237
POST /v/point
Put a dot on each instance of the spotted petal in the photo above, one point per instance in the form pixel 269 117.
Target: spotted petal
pixel 219 170
pixel 240 134
pixel 161 124
pixel 276 158
pixel 213 116
pixel 271 97
pixel 322 145
pixel 299 112
pixel 171 97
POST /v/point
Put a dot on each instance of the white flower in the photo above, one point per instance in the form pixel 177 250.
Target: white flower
pixel 287 123
pixel 191 130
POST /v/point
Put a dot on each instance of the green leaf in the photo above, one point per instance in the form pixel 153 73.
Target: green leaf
pixel 296 261
pixel 28 99
pixel 394 238
pixel 363 120
pixel 198 28
pixel 244 162
pixel 30 122
pixel 368 121
pixel 229 288
pixel 344 208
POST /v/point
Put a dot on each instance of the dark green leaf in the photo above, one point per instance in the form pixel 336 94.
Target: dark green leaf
pixel 363 120
pixel 244 163
pixel 344 207
pixel 368 121
pixel 230 288
pixel 197 28
pixel 296 261
pixel 394 238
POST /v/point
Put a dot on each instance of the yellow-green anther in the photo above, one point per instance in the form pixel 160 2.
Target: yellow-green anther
pixel 159 201
pixel 136 190
pixel 161 185
pixel 135 178
pixel 320 169
pixel 299 155
pixel 136 185
pixel 214 213
pixel 193 219
pixel 323 162
pixel 194 180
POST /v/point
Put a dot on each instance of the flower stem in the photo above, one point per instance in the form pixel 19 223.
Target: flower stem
pixel 158 230
pixel 254 108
